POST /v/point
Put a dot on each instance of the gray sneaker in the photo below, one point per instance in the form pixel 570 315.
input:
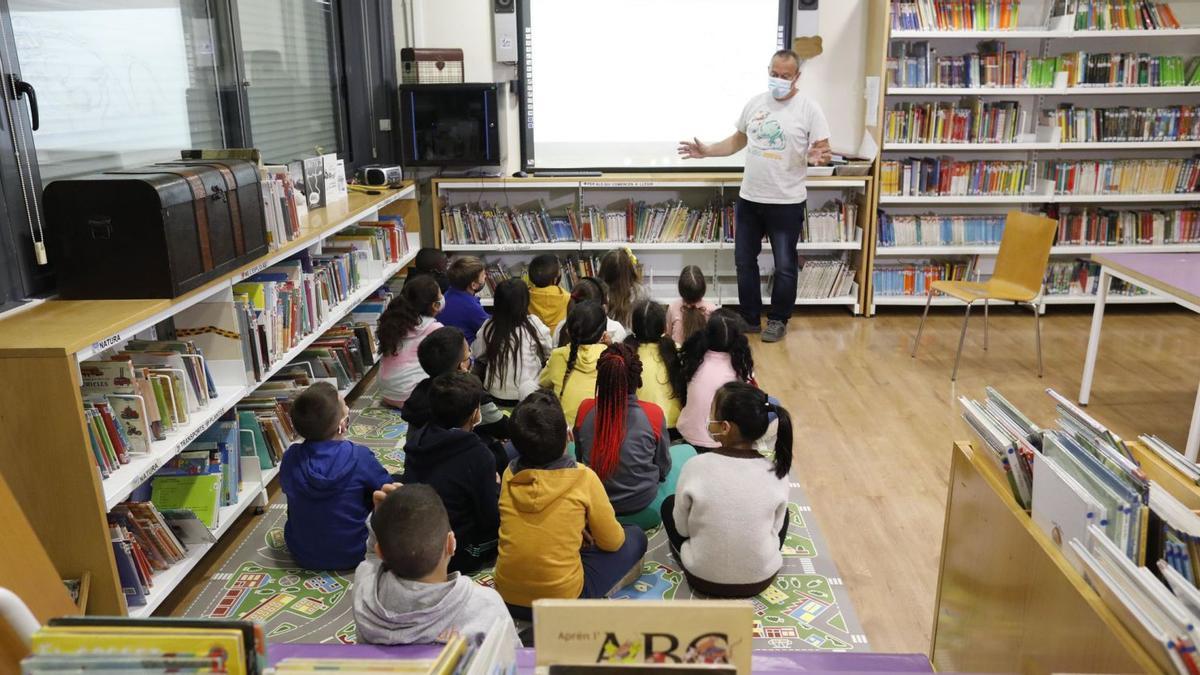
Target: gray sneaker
pixel 775 331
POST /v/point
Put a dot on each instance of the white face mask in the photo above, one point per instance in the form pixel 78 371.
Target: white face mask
pixel 779 87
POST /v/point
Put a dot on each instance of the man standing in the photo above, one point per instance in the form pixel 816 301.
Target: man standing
pixel 784 133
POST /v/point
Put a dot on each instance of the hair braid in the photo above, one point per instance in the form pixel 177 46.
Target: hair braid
pixel 619 373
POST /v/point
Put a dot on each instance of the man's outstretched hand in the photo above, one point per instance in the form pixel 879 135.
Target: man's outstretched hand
pixel 693 149
pixel 819 153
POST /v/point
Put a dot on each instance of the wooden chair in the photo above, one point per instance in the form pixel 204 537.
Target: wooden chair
pixel 1018 277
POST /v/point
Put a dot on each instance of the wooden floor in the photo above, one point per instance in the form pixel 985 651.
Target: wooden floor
pixel 874 427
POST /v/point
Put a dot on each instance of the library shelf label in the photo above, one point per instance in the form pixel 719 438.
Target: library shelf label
pixel 101 345
pixel 254 270
pixel 622 184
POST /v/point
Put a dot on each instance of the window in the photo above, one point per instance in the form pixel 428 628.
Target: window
pixel 648 74
pixel 119 84
pixel 293 98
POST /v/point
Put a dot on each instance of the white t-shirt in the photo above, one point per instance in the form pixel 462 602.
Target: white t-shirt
pixel 529 366
pixel 616 332
pixel 778 135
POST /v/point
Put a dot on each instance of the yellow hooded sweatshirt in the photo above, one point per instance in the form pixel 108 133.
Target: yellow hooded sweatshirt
pixel 543 513
pixel 548 303
pixel 582 383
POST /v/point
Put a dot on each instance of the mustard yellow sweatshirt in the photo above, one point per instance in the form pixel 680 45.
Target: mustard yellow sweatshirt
pixel 656 383
pixel 582 383
pixel 549 304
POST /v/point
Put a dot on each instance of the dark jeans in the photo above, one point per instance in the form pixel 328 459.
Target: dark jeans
pixel 707 587
pixel 781 223
pixel 602 569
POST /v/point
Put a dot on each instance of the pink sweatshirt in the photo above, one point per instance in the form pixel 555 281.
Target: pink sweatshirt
pixel 675 318
pixel 400 373
pixel 714 371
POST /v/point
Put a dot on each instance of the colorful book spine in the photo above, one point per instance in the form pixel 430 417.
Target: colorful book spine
pixel 971 120
pixel 945 176
pixel 1124 176
pixel 917 279
pixel 940 230
pixel 955 14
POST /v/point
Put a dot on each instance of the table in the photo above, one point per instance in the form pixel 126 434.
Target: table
pixel 1176 277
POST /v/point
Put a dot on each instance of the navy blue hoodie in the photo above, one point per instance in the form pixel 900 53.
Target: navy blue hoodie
pixel 462 470
pixel 328 486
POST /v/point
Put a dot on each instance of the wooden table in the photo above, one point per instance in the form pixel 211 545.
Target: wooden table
pixel 1175 276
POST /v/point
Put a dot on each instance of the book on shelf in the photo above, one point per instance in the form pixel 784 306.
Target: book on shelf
pixel 1124 176
pixel 835 221
pixel 917 64
pixel 955 14
pixel 640 222
pixel 946 176
pixel 1133 542
pixel 971 120
pixel 933 229
pixel 1081 278
pixel 1129 69
pixel 483 224
pixel 825 277
pixel 143 544
pixel 1107 227
pixel 115 644
pixel 1123 124
pixel 916 279
pixel 1117 14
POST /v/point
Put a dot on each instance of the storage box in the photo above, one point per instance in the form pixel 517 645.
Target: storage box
pixel 431 66
pixel 156 231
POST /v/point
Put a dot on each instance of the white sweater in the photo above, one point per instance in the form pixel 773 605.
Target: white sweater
pixel 731 509
pixel 529 366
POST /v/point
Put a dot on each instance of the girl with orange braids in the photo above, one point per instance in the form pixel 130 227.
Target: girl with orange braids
pixel 625 440
pixel 571 371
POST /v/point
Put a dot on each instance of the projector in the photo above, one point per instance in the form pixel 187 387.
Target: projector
pixel 381 175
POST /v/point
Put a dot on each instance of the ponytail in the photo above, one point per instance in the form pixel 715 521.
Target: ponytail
pixel 585 324
pixel 783 439
pixel 749 408
pixel 694 319
pixel 618 374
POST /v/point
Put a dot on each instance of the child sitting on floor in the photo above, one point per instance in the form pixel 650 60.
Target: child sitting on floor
pixel 402 326
pixel 718 354
pixel 728 518
pixel 463 309
pixel 660 359
pixel 431 262
pixel 404 592
pixel 328 482
pixel 571 370
pixel 625 441
pixel 688 315
pixel 550 507
pixel 513 346
pixel 442 352
pixel 618 269
pixel 547 300
pixel 448 456
pixel 593 290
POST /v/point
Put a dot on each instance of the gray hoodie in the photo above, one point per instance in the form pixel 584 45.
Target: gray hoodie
pixel 394 611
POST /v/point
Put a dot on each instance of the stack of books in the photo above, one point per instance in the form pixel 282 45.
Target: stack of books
pixel 1082 277
pixel 916 280
pixel 825 278
pixel 1085 69
pixel 940 230
pixel 916 64
pixel 1118 14
pixel 955 14
pixel 476 224
pixel 653 223
pixel 971 120
pixel 945 176
pixel 1091 125
pixel 1124 176
pixel 165 645
pixel 1104 227
pixel 1133 542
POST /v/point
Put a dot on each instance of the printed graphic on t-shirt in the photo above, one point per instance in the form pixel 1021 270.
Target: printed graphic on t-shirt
pixel 766 136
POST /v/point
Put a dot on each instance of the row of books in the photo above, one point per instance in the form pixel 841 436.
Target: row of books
pixel 917 64
pixel 646 223
pixel 955 14
pixel 1129 538
pixel 1091 226
pixel 477 224
pixel 971 120
pixel 1082 277
pixel 934 176
pixel 1124 176
pixel 825 277
pixel 1119 14
pixel 916 280
pixel 933 229
pixel 1091 125
pixel 1127 69
pixel 835 221
pixel 144 542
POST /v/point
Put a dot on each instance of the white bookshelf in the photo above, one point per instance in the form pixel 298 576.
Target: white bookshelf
pixel 1041 36
pixel 1071 299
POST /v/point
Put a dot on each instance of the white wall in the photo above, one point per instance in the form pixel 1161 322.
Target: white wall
pixel 834 79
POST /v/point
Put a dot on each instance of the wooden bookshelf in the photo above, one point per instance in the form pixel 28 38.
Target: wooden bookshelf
pixel 1035 35
pixel 715 257
pixel 46 458
pixel 1007 599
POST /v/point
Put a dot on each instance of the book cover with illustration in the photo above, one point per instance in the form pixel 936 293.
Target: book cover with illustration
pixel 577 632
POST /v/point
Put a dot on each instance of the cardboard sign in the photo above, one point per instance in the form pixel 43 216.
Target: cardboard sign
pixel 579 632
